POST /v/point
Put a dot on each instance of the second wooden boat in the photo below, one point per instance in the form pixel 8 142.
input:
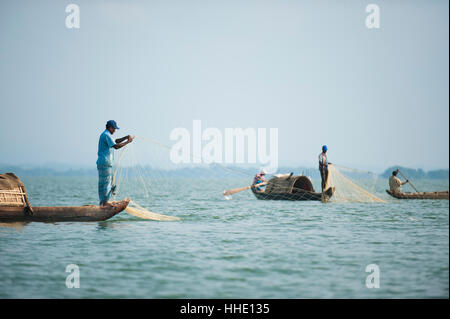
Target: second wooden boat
pixel 419 195
pixel 288 187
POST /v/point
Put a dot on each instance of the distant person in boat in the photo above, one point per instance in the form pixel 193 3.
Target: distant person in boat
pixel 395 182
pixel 323 166
pixel 105 161
pixel 259 178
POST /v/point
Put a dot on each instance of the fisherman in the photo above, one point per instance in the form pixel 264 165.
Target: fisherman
pixel 104 160
pixel 323 166
pixel 259 178
pixel 395 182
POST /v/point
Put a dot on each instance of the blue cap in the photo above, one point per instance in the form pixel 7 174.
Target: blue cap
pixel 324 148
pixel 112 123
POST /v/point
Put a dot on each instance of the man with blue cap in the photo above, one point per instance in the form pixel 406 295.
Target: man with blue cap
pixel 323 166
pixel 104 160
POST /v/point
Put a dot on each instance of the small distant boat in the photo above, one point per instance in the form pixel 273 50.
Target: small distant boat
pixel 419 195
pixel 288 187
pixel 14 206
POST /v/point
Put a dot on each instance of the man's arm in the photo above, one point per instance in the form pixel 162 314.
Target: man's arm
pixel 405 182
pixel 120 140
pixel 122 144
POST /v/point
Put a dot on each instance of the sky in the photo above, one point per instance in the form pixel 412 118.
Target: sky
pixel 312 69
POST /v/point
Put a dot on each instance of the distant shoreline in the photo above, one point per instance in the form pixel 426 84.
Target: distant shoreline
pixel 210 171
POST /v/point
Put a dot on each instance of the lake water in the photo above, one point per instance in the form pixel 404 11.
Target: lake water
pixel 238 248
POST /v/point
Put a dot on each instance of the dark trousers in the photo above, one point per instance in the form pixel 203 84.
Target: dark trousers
pixel 324 175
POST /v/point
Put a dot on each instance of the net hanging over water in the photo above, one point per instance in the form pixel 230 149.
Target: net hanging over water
pixel 160 181
pixel 136 210
pixel 132 181
pixel 354 186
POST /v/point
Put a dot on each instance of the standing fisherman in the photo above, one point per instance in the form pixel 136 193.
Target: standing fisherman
pixel 104 160
pixel 323 166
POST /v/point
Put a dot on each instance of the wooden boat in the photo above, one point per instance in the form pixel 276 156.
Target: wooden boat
pixel 419 195
pixel 300 195
pixel 14 206
pixel 85 213
pixel 288 187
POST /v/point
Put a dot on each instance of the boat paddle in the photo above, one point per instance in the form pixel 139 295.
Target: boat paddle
pixel 408 181
pixel 237 190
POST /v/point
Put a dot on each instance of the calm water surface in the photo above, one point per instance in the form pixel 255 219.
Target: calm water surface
pixel 238 248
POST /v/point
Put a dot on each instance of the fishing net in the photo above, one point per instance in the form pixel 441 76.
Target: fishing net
pixel 141 182
pixel 145 173
pixel 351 185
pixel 156 180
pixel 136 210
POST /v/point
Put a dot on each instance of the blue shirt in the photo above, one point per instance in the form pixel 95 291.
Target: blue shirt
pixel 105 143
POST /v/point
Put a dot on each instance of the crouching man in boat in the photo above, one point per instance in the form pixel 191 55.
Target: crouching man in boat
pixel 259 178
pixel 395 182
pixel 323 166
pixel 104 160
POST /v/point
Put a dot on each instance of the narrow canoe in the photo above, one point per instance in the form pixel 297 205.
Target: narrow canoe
pixel 298 195
pixel 63 214
pixel 421 195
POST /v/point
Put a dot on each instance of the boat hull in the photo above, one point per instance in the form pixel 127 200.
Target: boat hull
pixel 63 214
pixel 297 196
pixel 421 195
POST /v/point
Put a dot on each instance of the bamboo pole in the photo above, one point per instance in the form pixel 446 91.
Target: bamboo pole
pixel 237 190
pixel 408 181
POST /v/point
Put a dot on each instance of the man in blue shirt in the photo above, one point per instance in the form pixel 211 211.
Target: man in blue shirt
pixel 104 160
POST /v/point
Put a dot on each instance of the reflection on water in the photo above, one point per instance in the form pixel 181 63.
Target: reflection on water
pixel 104 225
pixel 13 225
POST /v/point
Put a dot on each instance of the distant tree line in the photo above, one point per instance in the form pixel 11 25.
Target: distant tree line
pixel 417 173
pixel 211 171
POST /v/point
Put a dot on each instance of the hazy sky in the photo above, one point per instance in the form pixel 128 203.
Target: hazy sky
pixel 312 69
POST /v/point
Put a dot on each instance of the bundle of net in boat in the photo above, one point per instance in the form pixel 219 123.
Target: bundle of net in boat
pixel 351 185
